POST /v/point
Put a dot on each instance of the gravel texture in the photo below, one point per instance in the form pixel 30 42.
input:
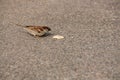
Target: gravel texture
pixel 90 49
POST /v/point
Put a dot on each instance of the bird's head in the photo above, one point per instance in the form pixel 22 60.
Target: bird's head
pixel 45 27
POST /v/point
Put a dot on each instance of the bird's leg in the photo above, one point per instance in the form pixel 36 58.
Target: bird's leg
pixel 37 37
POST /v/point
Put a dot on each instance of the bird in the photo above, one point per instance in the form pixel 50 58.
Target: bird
pixel 36 30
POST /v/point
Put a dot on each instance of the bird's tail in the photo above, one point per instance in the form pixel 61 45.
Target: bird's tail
pixel 17 24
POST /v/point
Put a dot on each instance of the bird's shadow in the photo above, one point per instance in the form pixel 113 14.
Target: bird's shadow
pixel 43 36
pixel 47 34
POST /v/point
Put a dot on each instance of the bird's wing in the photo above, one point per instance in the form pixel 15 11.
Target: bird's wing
pixel 35 28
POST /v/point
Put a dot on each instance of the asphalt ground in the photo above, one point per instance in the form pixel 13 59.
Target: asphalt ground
pixel 90 49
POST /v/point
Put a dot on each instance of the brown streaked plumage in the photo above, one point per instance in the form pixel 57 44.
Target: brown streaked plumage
pixel 36 30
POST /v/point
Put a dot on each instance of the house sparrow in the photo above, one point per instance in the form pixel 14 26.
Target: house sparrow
pixel 36 30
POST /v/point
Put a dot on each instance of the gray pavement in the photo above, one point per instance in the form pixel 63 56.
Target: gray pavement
pixel 89 51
